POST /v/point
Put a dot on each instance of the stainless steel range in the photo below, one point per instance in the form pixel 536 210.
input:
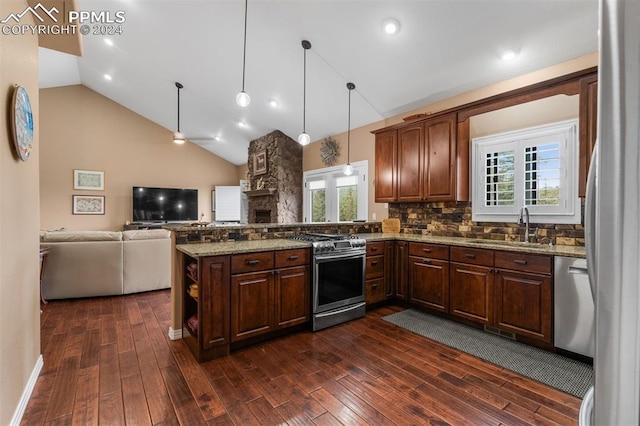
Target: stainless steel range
pixel 338 278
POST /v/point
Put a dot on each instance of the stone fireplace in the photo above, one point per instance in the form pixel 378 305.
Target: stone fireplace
pixel 275 177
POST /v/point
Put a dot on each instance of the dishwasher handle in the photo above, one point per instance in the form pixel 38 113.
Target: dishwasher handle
pixel 577 270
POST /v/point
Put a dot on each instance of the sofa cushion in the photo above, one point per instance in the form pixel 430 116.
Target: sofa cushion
pixel 146 234
pixel 74 236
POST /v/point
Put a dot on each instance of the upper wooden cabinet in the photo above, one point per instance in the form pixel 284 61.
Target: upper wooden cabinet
pixel 417 162
pixel 427 159
pixel 386 174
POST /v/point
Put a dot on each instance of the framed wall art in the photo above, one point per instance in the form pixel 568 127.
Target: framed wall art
pixel 88 179
pixel 88 204
pixel 22 122
pixel 260 163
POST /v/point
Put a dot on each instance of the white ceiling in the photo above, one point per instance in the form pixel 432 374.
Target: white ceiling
pixel 444 47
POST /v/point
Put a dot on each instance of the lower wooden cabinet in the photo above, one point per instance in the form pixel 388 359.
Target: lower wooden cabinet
pixel 240 297
pixel 292 296
pixel 251 304
pixel 523 304
pixel 374 272
pixel 270 300
pixel 471 292
pixel 429 283
pixel 401 270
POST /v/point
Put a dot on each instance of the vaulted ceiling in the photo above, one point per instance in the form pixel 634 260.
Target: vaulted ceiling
pixel 443 48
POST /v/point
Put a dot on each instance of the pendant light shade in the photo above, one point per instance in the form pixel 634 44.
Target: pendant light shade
pixel 178 138
pixel 348 168
pixel 243 99
pixel 304 138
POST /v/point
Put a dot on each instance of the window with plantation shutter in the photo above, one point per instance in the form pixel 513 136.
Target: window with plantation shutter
pixel 535 167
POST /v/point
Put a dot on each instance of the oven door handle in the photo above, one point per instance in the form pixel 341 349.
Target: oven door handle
pixel 339 311
pixel 327 258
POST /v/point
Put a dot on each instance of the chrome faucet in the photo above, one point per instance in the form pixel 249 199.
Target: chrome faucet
pixel 524 218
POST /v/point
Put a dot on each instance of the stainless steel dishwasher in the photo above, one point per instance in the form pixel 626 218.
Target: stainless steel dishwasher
pixel 574 313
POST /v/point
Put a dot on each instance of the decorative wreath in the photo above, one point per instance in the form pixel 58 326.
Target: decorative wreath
pixel 329 151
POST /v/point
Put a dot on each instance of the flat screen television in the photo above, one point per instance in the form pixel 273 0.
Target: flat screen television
pixel 164 204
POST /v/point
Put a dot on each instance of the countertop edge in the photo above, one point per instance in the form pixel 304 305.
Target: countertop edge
pixel 239 247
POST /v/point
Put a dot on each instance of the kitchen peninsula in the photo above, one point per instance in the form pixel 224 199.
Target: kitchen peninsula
pixel 254 283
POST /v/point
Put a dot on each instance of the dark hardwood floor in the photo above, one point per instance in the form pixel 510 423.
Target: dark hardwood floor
pixel 109 361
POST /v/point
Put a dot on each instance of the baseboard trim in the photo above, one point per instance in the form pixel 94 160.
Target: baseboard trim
pixel 26 393
pixel 175 334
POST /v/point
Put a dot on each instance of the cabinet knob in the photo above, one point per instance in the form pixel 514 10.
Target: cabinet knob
pixel 253 262
pixel 294 257
pixel 374 263
pixel 374 286
pixel 427 261
pixel 520 262
pixel 374 248
pixel 470 255
pixel 426 250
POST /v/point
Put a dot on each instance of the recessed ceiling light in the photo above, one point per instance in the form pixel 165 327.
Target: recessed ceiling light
pixel 108 77
pixel 391 26
pixel 273 103
pixel 217 138
pixel 242 124
pixel 108 42
pixel 509 54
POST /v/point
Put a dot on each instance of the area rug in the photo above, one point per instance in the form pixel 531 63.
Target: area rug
pixel 566 374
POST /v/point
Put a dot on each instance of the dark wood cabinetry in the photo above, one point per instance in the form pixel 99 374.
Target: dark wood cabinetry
pixel 588 122
pixel 471 288
pixel 410 162
pixel 524 287
pixel 386 172
pixel 269 300
pixel 401 270
pixel 375 290
pixel 206 311
pixel 438 180
pixel 417 162
pixel 429 276
pixel 242 297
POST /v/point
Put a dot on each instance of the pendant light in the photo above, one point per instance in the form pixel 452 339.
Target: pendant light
pixel 243 99
pixel 304 138
pixel 348 168
pixel 178 138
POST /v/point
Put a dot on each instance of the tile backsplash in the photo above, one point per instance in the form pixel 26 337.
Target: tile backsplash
pixel 454 220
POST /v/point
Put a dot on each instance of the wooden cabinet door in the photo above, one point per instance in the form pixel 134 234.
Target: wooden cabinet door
pixel 439 183
pixel 410 162
pixel 374 290
pixel 588 120
pixel 386 151
pixel 471 292
pixel 429 283
pixel 292 296
pixel 388 269
pixel 400 269
pixel 213 304
pixel 523 304
pixel 251 304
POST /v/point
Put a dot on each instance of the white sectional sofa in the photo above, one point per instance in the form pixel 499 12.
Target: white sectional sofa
pixel 105 263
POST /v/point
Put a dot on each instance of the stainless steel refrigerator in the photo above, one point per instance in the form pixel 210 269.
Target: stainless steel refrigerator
pixel 612 221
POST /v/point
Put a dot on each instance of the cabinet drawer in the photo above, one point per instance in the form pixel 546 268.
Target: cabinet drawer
pixel 375 248
pixel 297 257
pixel 374 291
pixel 473 256
pixel 433 251
pixel 374 267
pixel 251 262
pixel 523 262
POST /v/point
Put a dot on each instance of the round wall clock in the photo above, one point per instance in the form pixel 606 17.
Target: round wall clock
pixel 329 151
pixel 22 122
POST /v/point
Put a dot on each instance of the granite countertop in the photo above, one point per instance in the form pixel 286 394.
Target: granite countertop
pixel 238 247
pixel 570 251
pixel 235 226
pixel 226 248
